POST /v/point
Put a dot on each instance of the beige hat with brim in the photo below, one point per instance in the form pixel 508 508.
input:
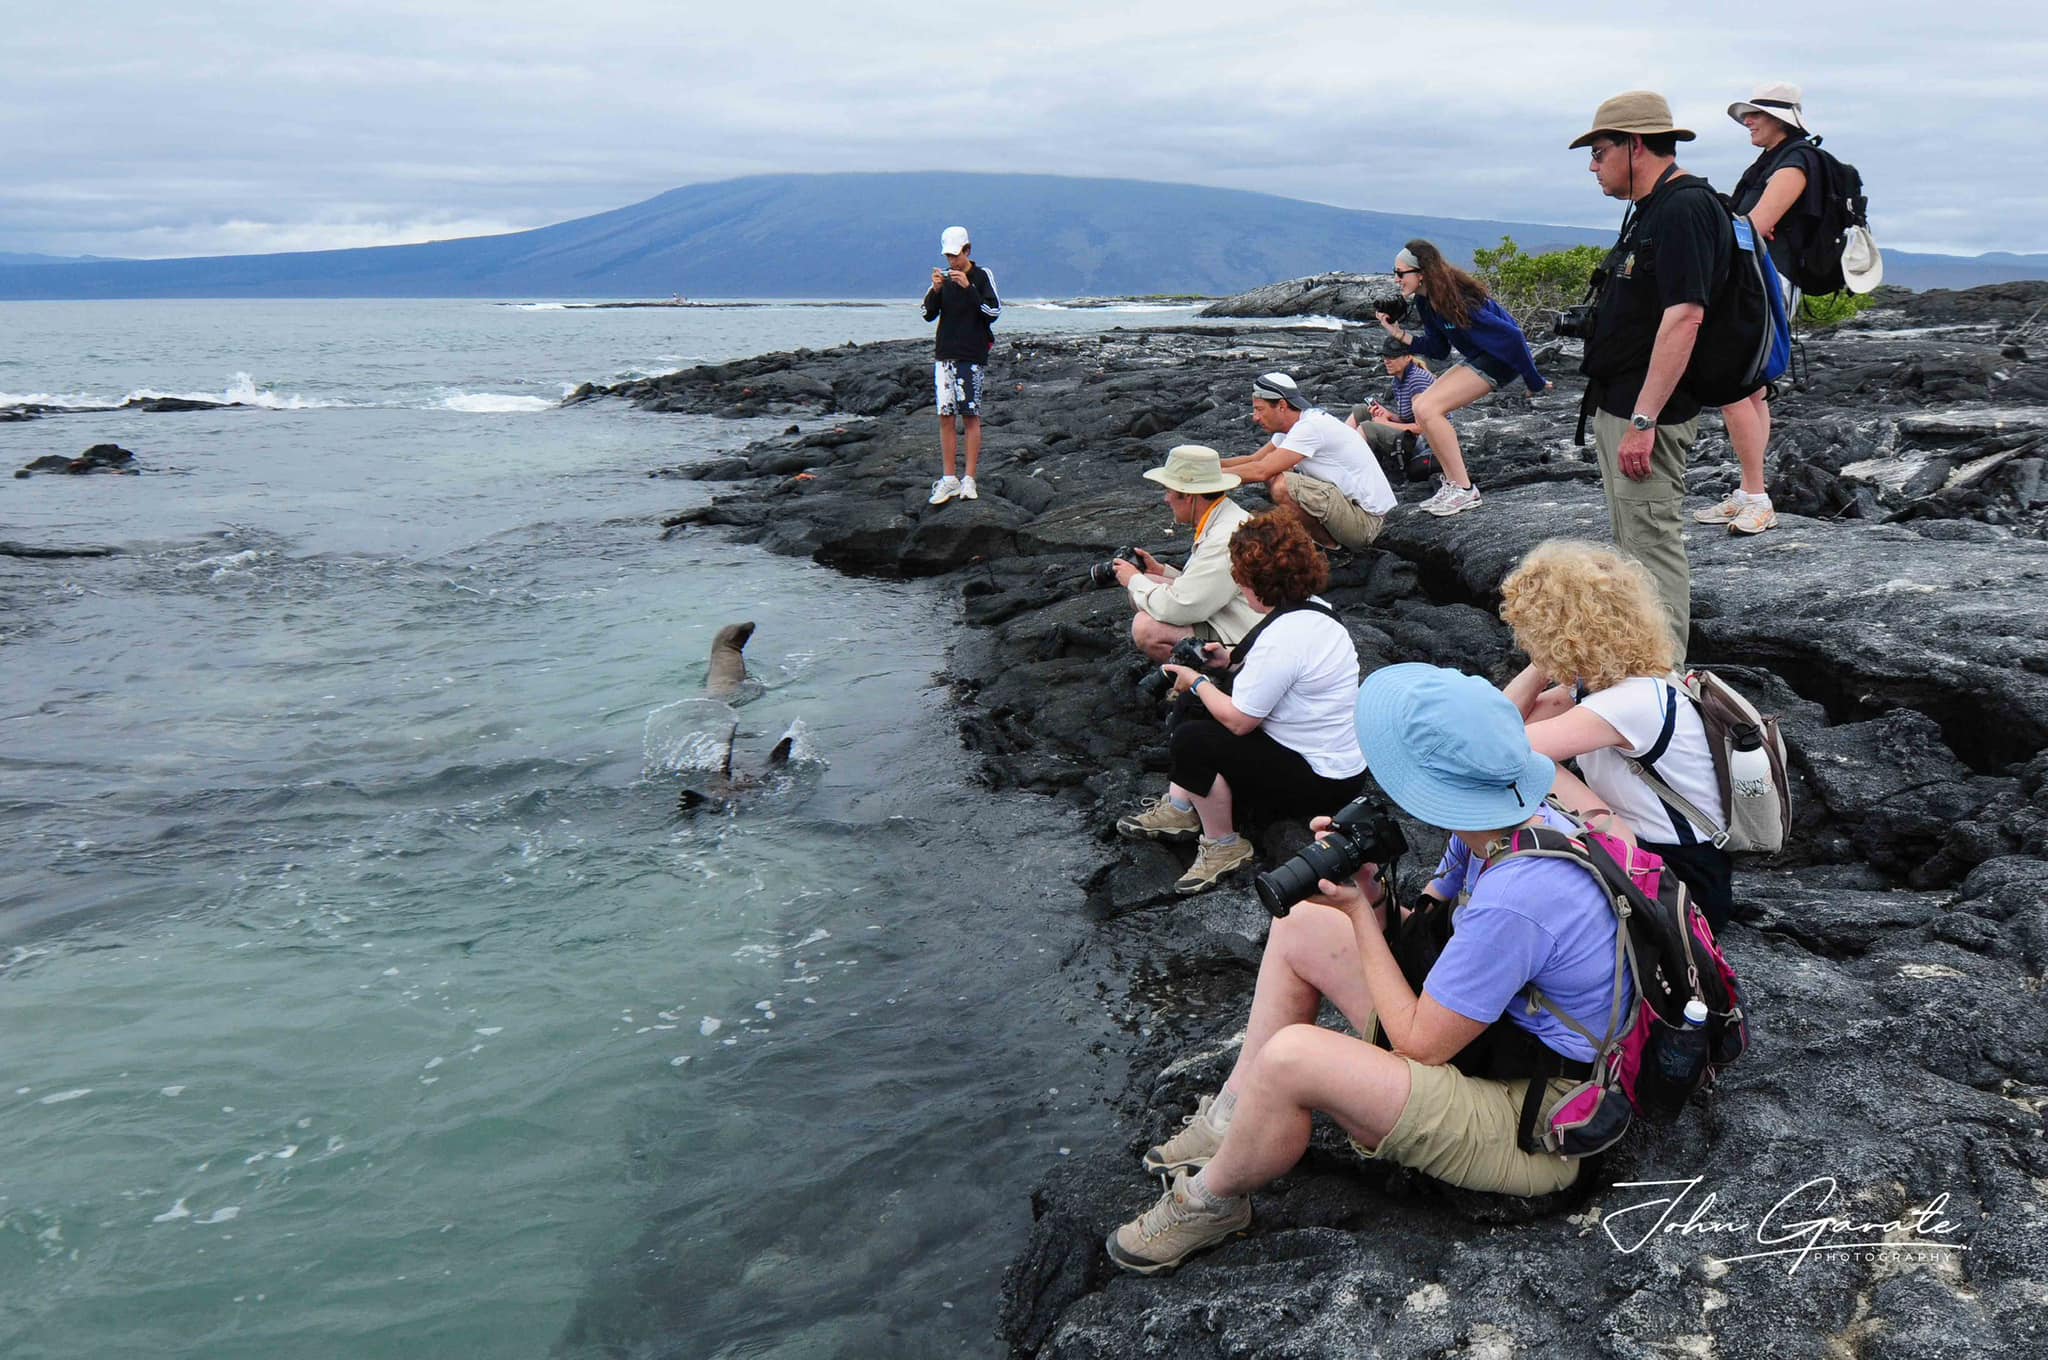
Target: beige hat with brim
pixel 1642 113
pixel 1193 470
pixel 1777 99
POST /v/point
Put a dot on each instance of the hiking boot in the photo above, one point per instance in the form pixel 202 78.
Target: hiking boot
pixel 1173 1229
pixel 1453 500
pixel 1724 513
pixel 1159 820
pixel 1756 517
pixel 1212 863
pixel 967 490
pixel 1192 1147
pixel 943 490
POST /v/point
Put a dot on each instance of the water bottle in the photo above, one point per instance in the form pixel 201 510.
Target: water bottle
pixel 1749 765
pixel 1682 1053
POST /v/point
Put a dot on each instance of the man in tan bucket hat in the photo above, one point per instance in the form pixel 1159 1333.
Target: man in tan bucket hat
pixel 1671 257
pixel 1200 600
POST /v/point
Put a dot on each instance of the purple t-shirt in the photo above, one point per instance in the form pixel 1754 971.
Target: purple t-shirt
pixel 1545 921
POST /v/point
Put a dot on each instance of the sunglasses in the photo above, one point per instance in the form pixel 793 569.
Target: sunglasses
pixel 1604 148
pixel 1401 273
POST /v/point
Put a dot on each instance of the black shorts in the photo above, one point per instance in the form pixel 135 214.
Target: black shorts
pixel 1708 872
pixel 1273 780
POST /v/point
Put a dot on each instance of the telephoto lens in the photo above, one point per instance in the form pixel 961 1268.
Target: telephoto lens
pixel 1103 574
pixel 1156 685
pixel 1363 832
pixel 1393 306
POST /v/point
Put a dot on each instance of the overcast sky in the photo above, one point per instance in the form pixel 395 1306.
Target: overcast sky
pixel 137 129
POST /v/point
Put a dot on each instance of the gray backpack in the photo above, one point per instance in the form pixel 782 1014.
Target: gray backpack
pixel 1749 762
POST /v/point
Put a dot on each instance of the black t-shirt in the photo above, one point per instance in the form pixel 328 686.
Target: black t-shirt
pixel 1795 229
pixel 966 317
pixel 1675 250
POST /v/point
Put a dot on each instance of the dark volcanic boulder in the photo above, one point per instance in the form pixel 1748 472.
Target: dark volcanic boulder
pixel 98 458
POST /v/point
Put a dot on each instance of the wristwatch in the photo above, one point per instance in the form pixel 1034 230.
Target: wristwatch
pixel 1200 681
pixel 1639 421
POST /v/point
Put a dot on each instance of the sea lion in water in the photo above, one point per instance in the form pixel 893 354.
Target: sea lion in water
pixel 728 672
pixel 718 792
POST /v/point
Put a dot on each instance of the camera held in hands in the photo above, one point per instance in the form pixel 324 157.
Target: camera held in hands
pixel 1576 323
pixel 1363 832
pixel 1103 574
pixel 1393 306
pixel 1156 685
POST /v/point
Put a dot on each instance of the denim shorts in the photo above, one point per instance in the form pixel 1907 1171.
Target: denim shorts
pixel 1495 371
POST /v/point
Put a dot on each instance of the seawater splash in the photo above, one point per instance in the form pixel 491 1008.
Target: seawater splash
pixel 687 736
pixel 493 403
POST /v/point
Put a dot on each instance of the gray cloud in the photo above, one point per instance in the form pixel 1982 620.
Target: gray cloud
pixel 133 131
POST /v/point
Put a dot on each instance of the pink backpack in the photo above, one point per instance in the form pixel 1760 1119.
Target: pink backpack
pixel 1650 1061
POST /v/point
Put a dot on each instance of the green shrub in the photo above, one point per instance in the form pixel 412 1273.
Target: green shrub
pixel 1832 309
pixel 1527 284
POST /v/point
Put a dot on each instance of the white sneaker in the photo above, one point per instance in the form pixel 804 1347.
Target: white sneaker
pixel 943 490
pixel 967 491
pixel 1454 500
pixel 1443 488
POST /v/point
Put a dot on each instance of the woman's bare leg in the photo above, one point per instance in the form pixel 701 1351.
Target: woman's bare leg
pixel 1455 390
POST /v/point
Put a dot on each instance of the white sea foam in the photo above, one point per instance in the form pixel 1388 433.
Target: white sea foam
pixel 174 1213
pixel 227 1215
pixel 493 403
pixel 710 1025
pixel 541 307
pixel 59 1097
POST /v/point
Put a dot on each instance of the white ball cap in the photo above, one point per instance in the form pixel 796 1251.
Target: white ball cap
pixel 953 240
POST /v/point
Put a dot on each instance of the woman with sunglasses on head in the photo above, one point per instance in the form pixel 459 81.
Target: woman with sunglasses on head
pixel 1780 194
pixel 1456 311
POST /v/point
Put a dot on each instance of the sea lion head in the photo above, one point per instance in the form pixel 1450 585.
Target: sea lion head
pixel 733 636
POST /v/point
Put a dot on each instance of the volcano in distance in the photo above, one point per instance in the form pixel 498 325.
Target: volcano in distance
pixel 876 235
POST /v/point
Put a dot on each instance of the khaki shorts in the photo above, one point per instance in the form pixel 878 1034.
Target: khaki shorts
pixel 1343 519
pixel 1466 1131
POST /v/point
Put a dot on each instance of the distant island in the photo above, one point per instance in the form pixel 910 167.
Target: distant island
pixel 874 236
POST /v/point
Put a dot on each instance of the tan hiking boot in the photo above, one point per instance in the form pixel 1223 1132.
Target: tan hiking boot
pixel 1159 820
pixel 1173 1229
pixel 1212 863
pixel 1193 1146
pixel 1756 517
pixel 1723 513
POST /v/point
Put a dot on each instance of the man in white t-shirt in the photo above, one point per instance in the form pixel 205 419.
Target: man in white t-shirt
pixel 1316 465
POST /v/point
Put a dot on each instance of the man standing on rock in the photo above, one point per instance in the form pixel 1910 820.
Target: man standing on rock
pixel 1201 600
pixel 962 299
pixel 1316 465
pixel 1674 250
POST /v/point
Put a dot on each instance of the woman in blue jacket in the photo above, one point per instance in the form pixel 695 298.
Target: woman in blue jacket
pixel 1456 311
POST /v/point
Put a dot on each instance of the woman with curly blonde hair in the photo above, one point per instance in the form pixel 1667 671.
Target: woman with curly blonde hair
pixel 1599 689
pixel 1284 736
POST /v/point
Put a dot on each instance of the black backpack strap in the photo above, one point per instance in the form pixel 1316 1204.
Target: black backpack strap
pixel 1680 810
pixel 1244 644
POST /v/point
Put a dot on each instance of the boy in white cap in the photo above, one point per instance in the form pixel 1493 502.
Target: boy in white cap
pixel 962 299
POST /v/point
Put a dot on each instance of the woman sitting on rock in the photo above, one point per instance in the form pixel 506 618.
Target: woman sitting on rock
pixel 1283 737
pixel 1456 312
pixel 1454 754
pixel 1599 689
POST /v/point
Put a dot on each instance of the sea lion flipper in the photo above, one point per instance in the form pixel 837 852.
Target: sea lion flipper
pixel 732 732
pixel 780 755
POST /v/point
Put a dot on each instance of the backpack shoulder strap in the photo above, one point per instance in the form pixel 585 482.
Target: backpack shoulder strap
pixel 1684 814
pixel 1547 843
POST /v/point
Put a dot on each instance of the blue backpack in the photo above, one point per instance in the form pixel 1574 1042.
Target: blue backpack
pixel 1745 339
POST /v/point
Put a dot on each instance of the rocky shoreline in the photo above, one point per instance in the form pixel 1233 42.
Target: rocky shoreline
pixel 1897 620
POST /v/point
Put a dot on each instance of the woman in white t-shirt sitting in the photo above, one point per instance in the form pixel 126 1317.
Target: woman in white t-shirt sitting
pixel 1284 737
pixel 1599 689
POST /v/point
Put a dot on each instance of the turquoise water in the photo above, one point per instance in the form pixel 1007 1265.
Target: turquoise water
pixel 362 994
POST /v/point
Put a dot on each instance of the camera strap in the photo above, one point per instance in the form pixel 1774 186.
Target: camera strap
pixel 1244 644
pixel 1596 288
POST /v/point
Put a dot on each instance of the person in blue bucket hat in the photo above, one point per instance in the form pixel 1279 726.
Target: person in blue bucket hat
pixel 1451 751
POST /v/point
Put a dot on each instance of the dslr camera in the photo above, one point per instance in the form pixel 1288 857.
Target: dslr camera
pixel 1393 306
pixel 1103 574
pixel 1363 832
pixel 1576 323
pixel 1157 684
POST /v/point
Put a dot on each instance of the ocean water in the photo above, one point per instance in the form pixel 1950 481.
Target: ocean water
pixel 362 992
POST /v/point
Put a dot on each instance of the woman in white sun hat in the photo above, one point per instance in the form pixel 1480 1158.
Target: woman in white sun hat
pixel 1780 194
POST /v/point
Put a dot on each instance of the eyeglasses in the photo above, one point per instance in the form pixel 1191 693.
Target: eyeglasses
pixel 1604 148
pixel 1401 273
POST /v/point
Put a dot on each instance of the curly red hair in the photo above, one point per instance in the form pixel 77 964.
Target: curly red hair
pixel 1273 556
